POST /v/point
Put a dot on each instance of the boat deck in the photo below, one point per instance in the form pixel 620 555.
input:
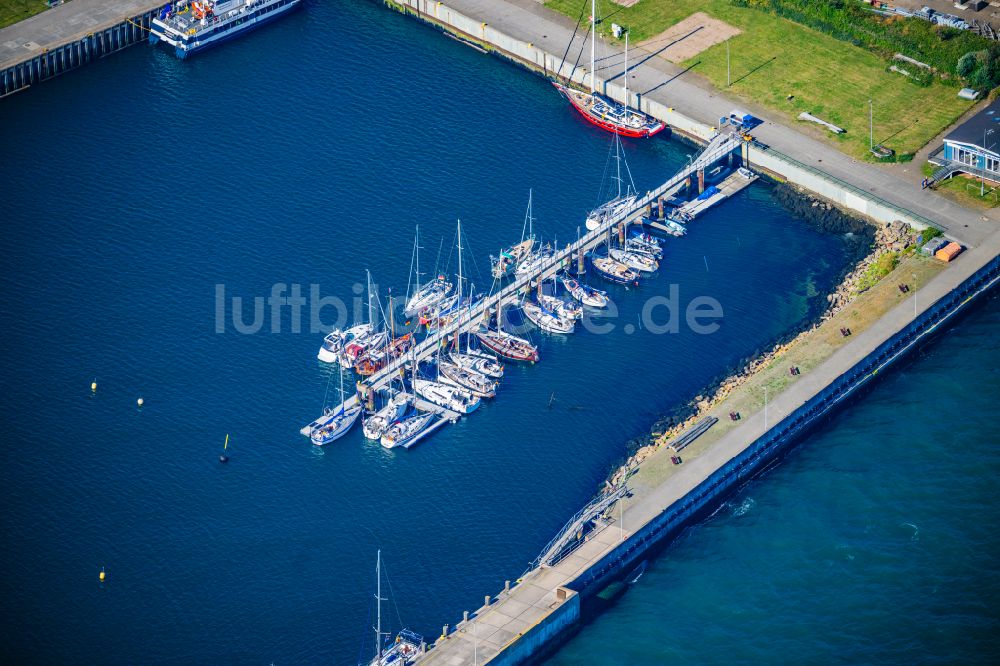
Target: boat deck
pixel 732 184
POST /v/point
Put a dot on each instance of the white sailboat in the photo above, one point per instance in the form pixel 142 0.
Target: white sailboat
pixel 586 294
pixel 622 203
pixel 407 432
pixel 375 424
pixel 338 422
pixel 407 645
pixel 333 343
pixel 639 261
pixel 430 294
pixel 547 320
pixel 563 309
pixel 481 362
pixel 515 254
pixel 450 397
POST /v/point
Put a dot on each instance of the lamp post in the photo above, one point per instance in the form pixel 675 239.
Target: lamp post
pixel 982 174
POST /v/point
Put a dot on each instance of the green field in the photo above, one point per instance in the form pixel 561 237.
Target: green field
pixel 775 58
pixel 966 190
pixel 12 11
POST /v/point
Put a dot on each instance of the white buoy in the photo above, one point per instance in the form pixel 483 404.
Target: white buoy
pixel 139 402
pixel 101 576
pixel 93 386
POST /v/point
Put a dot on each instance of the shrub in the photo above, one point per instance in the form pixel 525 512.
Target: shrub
pixel 929 233
pixel 878 270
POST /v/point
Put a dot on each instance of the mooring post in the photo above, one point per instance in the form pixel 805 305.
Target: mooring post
pixel 506 586
pixel 621 234
pixel 660 205
pixel 701 181
pixel 465 616
pixel 579 261
pixel 487 602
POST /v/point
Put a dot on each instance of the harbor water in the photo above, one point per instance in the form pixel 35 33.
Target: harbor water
pixel 143 194
pixel 875 541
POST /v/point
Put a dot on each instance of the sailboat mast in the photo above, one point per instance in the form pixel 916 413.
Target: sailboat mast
pixel 593 42
pixel 378 600
pixel 418 260
pixel 618 161
pixel 459 328
pixel 626 76
pixel 371 312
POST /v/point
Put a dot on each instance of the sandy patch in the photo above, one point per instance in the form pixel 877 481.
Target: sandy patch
pixel 624 3
pixel 689 37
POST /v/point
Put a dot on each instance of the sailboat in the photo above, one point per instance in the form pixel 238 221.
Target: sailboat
pixel 645 244
pixel 377 358
pixel 338 422
pixel 615 271
pixel 622 203
pixel 333 343
pixel 408 431
pixel 431 293
pixel 548 320
pixel 515 254
pixel 374 340
pixel 601 111
pixel 375 424
pixel 586 294
pixel 407 645
pixel 638 261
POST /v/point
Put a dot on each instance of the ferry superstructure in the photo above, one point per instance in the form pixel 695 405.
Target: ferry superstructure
pixel 192 26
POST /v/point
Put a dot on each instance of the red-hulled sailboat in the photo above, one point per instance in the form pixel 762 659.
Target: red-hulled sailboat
pixel 603 112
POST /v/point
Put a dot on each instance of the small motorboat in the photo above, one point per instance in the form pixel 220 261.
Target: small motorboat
pixel 640 262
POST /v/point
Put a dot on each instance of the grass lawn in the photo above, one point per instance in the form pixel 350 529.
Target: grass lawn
pixel 12 11
pixel 774 58
pixel 965 190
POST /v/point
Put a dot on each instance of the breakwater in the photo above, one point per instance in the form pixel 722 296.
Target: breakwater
pixel 525 633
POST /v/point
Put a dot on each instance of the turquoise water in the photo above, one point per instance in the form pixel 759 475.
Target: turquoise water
pixel 875 541
pixel 304 155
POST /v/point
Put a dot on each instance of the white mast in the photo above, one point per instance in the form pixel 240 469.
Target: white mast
pixel 371 311
pixel 593 41
pixel 626 76
pixel 378 600
pixel 418 260
pixel 459 328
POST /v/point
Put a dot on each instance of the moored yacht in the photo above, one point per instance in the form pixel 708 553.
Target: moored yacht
pixel 194 26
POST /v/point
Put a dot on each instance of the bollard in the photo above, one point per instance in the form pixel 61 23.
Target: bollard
pixel 444 631
pixel 506 586
pixel 621 234
pixel 649 209
pixel 579 262
pixel 660 204
pixel 465 616
pixel 701 181
pixel 487 602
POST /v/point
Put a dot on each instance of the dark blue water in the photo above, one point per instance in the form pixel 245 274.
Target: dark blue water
pixel 304 155
pixel 874 542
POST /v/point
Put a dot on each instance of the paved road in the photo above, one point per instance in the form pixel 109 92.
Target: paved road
pixel 693 96
pixel 62 24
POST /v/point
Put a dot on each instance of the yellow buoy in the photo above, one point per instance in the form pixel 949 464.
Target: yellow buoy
pixel 93 386
pixel 101 576
pixel 139 402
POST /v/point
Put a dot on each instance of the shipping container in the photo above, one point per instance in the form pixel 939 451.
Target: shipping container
pixel 933 245
pixel 948 252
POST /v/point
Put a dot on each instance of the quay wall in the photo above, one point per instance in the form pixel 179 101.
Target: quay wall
pixel 77 51
pixel 544 637
pixel 779 438
pixel 487 38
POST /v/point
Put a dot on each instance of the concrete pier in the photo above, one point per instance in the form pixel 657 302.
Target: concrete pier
pixel 65 37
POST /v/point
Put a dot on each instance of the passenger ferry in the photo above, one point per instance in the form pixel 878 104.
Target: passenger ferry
pixel 191 26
